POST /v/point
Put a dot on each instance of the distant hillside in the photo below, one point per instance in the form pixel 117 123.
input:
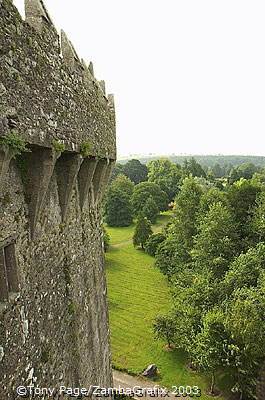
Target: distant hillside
pixel 207 160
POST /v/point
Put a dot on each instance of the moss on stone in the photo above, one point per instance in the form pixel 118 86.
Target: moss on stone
pixel 14 142
pixel 86 149
pixel 59 147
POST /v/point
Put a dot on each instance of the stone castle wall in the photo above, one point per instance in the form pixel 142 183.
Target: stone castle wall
pixel 53 311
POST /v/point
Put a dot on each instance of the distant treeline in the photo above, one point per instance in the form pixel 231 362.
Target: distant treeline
pixel 205 160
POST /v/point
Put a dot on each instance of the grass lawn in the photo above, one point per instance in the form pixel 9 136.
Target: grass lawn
pixel 137 292
pixel 118 235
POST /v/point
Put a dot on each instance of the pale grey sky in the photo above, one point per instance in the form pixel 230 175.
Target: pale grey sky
pixel 188 75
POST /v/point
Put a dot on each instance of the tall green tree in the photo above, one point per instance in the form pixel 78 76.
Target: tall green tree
pixel 117 208
pixel 242 199
pixel 118 169
pixel 141 194
pixel 136 171
pixel 192 167
pixel 142 231
pixel 123 183
pixel 150 210
pixel 166 174
pixel 216 243
pixel 244 321
pixel 174 253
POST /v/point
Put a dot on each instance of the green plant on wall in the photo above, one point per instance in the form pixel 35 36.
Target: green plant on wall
pixel 59 147
pixel 15 143
pixel 101 156
pixel 86 149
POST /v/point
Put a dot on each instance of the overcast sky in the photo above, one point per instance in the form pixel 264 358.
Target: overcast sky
pixel 188 75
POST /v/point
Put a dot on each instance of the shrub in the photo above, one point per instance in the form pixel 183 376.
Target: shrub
pixel 152 243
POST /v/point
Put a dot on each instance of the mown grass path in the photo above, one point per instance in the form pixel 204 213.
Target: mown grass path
pixel 138 292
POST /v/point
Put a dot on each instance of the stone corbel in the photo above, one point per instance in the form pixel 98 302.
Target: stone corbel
pixel 67 168
pixel 105 178
pixel 98 180
pixel 85 177
pixel 40 166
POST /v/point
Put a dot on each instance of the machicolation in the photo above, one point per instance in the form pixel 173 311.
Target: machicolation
pixel 57 150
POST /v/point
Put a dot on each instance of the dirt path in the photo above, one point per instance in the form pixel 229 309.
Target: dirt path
pixel 143 388
pixel 155 230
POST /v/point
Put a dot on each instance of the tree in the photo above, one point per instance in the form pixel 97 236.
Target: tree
pixel 173 254
pixel 245 270
pixel 136 171
pixel 143 191
pixel 214 195
pixel 244 321
pixel 164 328
pixel 256 223
pixel 216 243
pixel 241 198
pixel 123 183
pixel 152 243
pixel 142 231
pixel 118 169
pixel 166 174
pixel 150 210
pixel 218 171
pixel 192 167
pixel 117 208
pixel 208 350
pixel 187 205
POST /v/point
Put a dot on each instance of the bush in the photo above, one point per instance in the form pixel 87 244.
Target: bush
pixel 152 243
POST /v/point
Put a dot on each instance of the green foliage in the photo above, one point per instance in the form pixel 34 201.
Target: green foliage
pixel 142 191
pixel 208 349
pixel 164 328
pixel 165 174
pixel 174 253
pixel 117 207
pixel 245 270
pixel 242 197
pixel 244 321
pixel 116 204
pixel 150 210
pixel 59 147
pixel 118 169
pixel 245 170
pixel 152 243
pixel 135 171
pixel 14 142
pixel 142 231
pixel 86 149
pixel 123 183
pixel 256 223
pixel 215 245
pixel 192 167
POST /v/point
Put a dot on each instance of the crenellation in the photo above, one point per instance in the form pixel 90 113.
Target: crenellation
pixel 69 54
pixel 91 68
pixel 37 15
